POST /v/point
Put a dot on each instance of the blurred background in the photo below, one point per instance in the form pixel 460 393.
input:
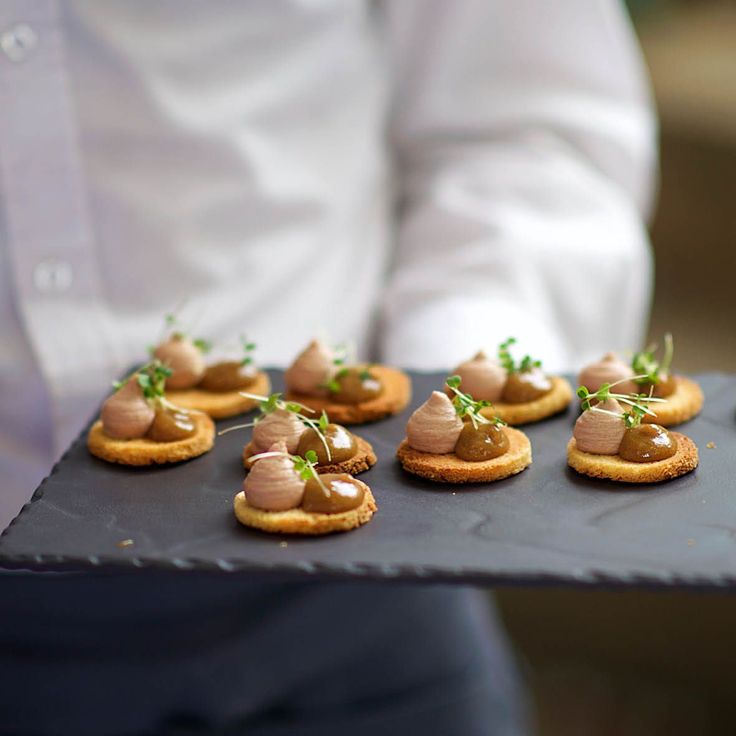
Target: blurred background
pixel 653 663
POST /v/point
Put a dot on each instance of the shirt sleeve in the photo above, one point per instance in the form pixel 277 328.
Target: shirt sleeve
pixel 525 142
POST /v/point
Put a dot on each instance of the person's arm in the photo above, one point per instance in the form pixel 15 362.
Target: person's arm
pixel 525 148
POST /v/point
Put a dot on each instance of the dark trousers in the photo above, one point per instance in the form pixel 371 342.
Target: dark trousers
pixel 154 653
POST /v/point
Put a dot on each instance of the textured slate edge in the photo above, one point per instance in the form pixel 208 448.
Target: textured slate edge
pixel 362 571
pixel 347 571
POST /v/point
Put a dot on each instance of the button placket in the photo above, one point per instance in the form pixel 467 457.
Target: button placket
pixel 46 219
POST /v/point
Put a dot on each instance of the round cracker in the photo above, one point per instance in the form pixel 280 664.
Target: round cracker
pixel 451 469
pixel 363 459
pixel 614 467
pixel 143 451
pixel 682 404
pixel 394 398
pixel 299 521
pixel 553 402
pixel 221 405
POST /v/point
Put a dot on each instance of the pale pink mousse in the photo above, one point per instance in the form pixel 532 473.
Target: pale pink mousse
pixel 482 378
pixel 312 368
pixel 599 433
pixel 272 483
pixel 609 369
pixel 435 426
pixel 184 359
pixel 278 425
pixel 126 415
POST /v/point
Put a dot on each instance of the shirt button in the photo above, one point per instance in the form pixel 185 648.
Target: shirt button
pixel 53 276
pixel 18 42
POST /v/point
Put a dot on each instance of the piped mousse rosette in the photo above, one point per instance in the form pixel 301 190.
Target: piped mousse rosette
pixel 460 440
pixel 336 448
pixel 647 373
pixel 139 425
pixel 324 380
pixel 215 387
pixel 611 440
pixel 285 494
pixel 521 392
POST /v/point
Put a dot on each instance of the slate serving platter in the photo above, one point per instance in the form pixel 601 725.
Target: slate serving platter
pixel 545 526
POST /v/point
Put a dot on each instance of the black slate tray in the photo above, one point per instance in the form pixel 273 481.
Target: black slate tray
pixel 547 525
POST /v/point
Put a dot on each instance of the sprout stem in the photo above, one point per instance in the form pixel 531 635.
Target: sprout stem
pixel 236 426
pixel 669 351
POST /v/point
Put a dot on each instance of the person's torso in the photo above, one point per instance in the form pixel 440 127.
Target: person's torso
pixel 228 155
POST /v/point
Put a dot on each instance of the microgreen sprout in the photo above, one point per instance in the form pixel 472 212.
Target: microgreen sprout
pixel 204 346
pixel 646 363
pixel 320 427
pixel 173 329
pixel 305 466
pixel 466 406
pixel 526 364
pixel 344 356
pixel 333 384
pixel 637 405
pixel 248 348
pixel 151 377
pixel 269 404
pixel 344 353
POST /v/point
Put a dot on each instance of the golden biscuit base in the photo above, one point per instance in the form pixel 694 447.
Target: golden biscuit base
pixel 613 467
pixel 451 469
pixel 394 398
pixel 363 459
pixel 298 521
pixel 147 452
pixel 553 402
pixel 221 405
pixel 682 404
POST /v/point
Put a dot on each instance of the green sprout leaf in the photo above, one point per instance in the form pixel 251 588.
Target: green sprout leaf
pixel 504 356
pixel 248 348
pixel 151 377
pixel 646 365
pixel 466 406
pixel 333 384
pixel 270 404
pixel 637 405
pixel 340 355
pixel 306 467
pixel 453 382
pixel 526 364
pixel 204 346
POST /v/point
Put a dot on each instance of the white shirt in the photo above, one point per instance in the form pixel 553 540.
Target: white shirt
pixel 438 174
